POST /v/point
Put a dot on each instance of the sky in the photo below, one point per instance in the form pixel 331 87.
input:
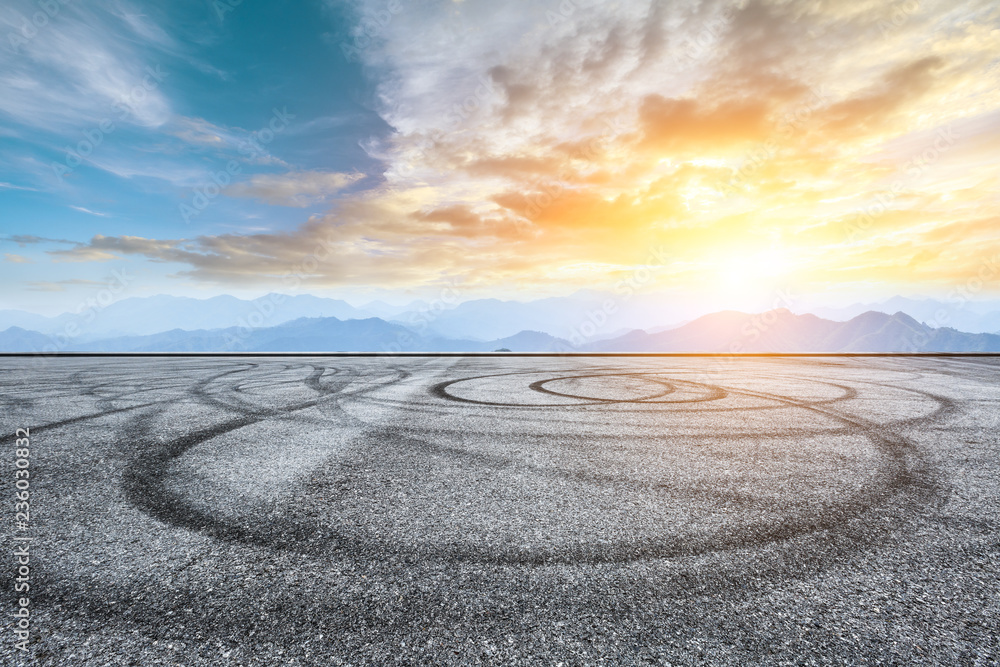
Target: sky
pixel 720 151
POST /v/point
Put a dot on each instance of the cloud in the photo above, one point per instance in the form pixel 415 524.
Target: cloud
pixel 875 107
pixel 102 248
pixel 78 70
pixel 88 211
pixel 677 124
pixel 297 189
pixel 16 259
pixel 200 131
pixel 461 221
pixel 222 140
pixel 81 253
pixel 526 137
pixel 57 285
pixel 457 217
pixel 10 186
pixel 30 239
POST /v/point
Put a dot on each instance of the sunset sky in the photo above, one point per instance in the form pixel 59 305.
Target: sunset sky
pixel 388 149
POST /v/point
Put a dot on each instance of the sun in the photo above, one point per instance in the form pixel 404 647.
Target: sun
pixel 744 275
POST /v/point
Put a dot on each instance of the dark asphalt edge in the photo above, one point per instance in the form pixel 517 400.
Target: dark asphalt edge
pixel 50 355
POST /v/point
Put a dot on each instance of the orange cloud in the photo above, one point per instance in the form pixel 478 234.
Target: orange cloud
pixel 684 124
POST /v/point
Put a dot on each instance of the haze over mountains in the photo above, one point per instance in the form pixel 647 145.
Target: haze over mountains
pixel 591 322
pixel 782 331
pixel 155 314
pixel 480 319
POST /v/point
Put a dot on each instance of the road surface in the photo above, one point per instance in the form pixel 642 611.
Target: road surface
pixel 600 510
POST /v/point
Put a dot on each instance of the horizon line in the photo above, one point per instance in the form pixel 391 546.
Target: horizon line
pixel 49 355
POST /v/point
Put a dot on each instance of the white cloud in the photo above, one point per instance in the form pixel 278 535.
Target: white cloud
pixel 11 186
pixel 293 189
pixel 77 70
pixel 487 99
pixel 57 285
pixel 87 210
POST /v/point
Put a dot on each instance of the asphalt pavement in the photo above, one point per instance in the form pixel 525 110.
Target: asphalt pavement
pixel 505 510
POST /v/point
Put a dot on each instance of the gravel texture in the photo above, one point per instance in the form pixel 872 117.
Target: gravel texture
pixel 326 511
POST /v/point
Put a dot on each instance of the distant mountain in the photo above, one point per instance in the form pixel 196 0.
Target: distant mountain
pixel 323 334
pixel 487 319
pixel 16 339
pixel 389 311
pixel 524 341
pixel 727 332
pixel 327 334
pixel 154 314
pixel 970 316
pixel 22 319
pixel 586 317
pixel 782 331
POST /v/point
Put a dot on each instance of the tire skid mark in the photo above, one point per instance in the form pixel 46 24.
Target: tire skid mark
pixel 145 487
pixel 539 386
pixel 95 415
pixel 144 478
pixel 144 483
pixel 440 390
pixel 900 478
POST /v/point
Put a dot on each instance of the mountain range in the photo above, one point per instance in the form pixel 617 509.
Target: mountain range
pixel 137 316
pixel 583 317
pixel 777 330
pixel 782 331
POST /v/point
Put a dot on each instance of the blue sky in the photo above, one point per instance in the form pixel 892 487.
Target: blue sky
pixel 396 148
pixel 158 99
